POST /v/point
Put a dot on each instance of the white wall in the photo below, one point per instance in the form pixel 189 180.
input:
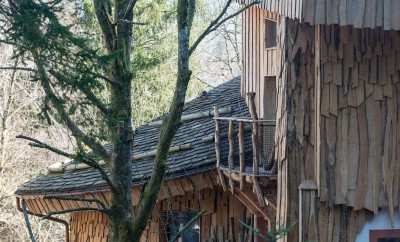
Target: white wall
pixel 380 221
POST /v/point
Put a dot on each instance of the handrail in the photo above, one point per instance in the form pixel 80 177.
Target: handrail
pixel 247 120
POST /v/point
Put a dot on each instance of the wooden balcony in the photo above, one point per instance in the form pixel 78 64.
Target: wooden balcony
pixel 245 152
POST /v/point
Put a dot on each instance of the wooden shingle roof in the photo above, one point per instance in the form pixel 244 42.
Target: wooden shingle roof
pixel 199 158
pixel 357 13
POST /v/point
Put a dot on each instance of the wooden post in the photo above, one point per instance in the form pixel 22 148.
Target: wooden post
pixel 308 226
pixel 217 150
pixel 241 153
pixel 257 190
pixel 256 153
pixel 230 155
pixel 254 136
pixel 255 225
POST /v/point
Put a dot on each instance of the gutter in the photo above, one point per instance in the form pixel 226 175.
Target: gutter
pixel 57 220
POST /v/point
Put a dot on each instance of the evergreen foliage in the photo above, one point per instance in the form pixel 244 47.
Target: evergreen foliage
pixel 154 56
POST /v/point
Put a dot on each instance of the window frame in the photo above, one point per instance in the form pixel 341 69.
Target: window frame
pixel 375 234
pixel 165 222
pixel 275 22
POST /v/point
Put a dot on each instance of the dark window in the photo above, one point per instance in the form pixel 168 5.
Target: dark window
pixel 173 221
pixel 384 235
pixel 269 113
pixel 270 33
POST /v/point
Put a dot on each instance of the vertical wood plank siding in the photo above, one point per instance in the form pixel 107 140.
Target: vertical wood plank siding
pixel 357 13
pixel 219 223
pixel 257 61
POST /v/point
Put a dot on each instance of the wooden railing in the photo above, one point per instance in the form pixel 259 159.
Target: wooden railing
pixel 226 164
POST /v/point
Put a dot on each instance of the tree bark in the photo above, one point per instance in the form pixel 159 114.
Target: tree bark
pixel 117 36
pixel 171 122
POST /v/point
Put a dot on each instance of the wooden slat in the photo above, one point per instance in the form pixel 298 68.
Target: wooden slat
pixel 241 154
pixel 217 149
pixel 231 152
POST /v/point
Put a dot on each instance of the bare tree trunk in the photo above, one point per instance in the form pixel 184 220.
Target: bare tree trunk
pixel 121 216
pixel 185 13
pixel 117 36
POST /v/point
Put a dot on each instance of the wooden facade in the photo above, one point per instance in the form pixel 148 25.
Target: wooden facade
pixel 358 141
pixel 223 211
pixel 258 61
pixel 220 222
pixel 337 117
pixel 359 118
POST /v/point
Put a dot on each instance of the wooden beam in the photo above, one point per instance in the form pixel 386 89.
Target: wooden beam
pixel 250 201
pixel 265 122
pixel 71 165
pixel 209 138
pixel 258 192
pixel 152 153
pixel 235 176
pixel 198 115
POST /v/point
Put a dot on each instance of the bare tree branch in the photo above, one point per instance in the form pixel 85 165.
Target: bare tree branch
pixel 217 22
pixel 17 68
pixel 38 144
pixel 8 42
pixel 76 198
pixel 86 160
pixel 128 8
pixel 76 210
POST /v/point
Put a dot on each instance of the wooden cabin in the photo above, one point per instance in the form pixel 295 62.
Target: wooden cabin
pixel 308 138
pixel 193 182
